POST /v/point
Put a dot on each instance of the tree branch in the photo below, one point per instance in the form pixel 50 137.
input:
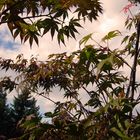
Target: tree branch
pixel 135 61
pixel 133 71
pixel 42 95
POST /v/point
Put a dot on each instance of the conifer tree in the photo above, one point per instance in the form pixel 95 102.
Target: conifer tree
pixel 24 105
pixel 5 119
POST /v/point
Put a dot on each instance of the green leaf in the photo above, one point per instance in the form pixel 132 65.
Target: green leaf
pixel 111 35
pixel 108 60
pixel 125 39
pixel 72 33
pixel 60 37
pixel 32 137
pixel 36 39
pixel 52 32
pixel 49 115
pixel 16 33
pixel 120 134
pixel 31 41
pixel 85 39
pixel 2 2
pixel 88 54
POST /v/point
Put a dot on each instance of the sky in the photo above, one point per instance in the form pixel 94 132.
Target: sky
pixel 113 18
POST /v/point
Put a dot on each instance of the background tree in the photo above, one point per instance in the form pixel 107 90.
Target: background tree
pixel 5 117
pixel 24 105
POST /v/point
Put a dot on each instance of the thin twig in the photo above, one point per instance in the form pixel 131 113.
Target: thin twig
pixel 114 54
pixel 42 95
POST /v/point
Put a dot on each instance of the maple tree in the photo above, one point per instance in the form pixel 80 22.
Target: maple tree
pixel 107 111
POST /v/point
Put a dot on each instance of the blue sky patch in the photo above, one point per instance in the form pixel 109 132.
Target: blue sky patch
pixel 8 44
pixel 6 40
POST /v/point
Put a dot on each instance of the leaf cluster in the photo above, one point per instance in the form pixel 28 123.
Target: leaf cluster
pixel 32 19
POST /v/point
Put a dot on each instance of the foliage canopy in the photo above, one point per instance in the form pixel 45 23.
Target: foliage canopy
pixel 107 111
pixel 34 18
